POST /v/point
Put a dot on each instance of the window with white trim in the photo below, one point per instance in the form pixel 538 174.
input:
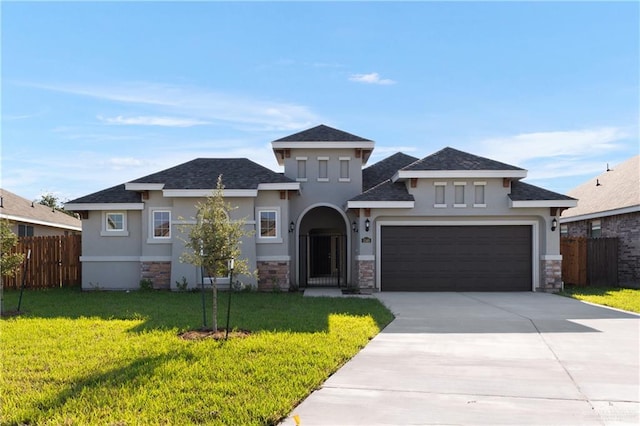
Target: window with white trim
pixel 323 169
pixel 302 168
pixel 114 224
pixel 344 169
pixel 458 200
pixel 479 198
pixel 268 224
pixel 161 223
pixel 440 188
pixel 595 229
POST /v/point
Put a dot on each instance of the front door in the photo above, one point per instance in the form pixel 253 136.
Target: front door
pixel 321 259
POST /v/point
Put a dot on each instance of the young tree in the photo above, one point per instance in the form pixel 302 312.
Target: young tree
pixel 54 203
pixel 214 240
pixel 9 262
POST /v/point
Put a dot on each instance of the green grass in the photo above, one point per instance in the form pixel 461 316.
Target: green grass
pixel 615 297
pixel 116 359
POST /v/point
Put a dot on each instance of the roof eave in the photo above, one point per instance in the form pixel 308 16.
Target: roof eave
pixel 595 215
pixel 542 203
pixel 380 204
pixel 137 186
pixel 103 206
pixel 39 222
pixel 435 174
pixel 323 144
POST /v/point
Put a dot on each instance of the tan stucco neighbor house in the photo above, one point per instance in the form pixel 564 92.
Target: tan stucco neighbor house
pixel 451 221
pixel 30 219
pixel 610 208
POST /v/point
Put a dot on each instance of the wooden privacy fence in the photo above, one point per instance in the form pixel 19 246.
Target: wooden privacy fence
pixel 589 261
pixel 54 262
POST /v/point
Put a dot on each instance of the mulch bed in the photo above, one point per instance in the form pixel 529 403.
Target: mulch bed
pixel 219 334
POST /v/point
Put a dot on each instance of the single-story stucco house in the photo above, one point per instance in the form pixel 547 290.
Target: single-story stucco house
pixel 451 221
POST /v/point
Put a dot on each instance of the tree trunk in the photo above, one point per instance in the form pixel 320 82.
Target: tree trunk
pixel 214 287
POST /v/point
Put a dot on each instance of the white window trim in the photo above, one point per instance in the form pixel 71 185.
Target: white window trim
pixel 323 179
pixel 266 240
pixel 152 239
pixel 347 179
pixel 484 184
pixel 106 232
pixel 460 205
pixel 298 178
pixel 441 206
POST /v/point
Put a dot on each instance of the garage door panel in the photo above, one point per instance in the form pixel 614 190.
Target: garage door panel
pixel 456 258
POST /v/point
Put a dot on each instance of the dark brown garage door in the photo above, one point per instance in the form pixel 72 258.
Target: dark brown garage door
pixel 456 258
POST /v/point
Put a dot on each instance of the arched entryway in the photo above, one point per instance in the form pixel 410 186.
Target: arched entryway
pixel 323 248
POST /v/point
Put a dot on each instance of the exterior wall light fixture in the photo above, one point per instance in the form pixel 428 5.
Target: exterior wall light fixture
pixel 554 224
pixel 292 227
pixel 354 226
pixel 367 225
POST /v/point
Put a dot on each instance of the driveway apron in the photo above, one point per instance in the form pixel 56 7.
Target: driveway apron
pixel 487 359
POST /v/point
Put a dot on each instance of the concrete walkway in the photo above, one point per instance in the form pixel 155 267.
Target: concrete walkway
pixel 487 359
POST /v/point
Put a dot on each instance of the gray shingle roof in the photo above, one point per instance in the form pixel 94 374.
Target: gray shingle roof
pixel 115 194
pixel 452 159
pixel 385 169
pixel 521 191
pixel 322 133
pixel 202 173
pixel 386 191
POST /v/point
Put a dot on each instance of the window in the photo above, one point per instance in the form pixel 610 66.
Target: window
pixel 323 169
pixel 268 227
pixel 25 230
pixel 595 230
pixel 344 169
pixel 478 200
pixel 302 168
pixel 115 222
pixel 459 194
pixel 161 224
pixel 440 194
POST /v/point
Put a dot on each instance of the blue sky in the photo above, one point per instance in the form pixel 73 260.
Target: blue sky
pixel 97 94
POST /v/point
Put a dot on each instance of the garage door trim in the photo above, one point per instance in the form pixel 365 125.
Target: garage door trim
pixel 535 231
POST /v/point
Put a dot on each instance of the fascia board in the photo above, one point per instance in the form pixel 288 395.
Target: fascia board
pixel 39 222
pixel 542 203
pixel 104 206
pixel 135 186
pixel 596 215
pixel 197 193
pixel 320 144
pixel 468 174
pixel 380 204
pixel 284 186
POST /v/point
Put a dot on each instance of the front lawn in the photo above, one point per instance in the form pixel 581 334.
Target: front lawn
pixel 615 297
pixel 116 358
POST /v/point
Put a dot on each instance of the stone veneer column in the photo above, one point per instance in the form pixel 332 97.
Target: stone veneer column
pixel 158 272
pixel 551 268
pixel 273 275
pixel 366 274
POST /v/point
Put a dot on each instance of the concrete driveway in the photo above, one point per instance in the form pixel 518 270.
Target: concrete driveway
pixel 487 358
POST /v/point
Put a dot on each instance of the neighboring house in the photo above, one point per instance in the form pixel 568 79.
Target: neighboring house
pixel 610 207
pixel 451 221
pixel 30 219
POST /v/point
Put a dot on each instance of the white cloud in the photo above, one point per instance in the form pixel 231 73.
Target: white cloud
pixel 121 162
pixel 152 121
pixel 572 144
pixel 199 103
pixel 371 78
